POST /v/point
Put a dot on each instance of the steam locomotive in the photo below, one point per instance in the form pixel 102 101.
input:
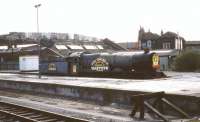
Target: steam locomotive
pixel 117 65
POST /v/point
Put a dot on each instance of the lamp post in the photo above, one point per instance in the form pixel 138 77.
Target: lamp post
pixel 37 7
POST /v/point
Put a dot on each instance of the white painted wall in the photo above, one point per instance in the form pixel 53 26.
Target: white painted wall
pixel 28 63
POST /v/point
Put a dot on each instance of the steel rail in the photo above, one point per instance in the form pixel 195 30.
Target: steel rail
pixel 28 114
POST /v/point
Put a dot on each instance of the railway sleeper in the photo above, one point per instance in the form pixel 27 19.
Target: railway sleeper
pixel 18 117
pixel 35 116
pixel 21 112
pixel 16 110
pixel 50 120
pixel 27 114
pixel 42 118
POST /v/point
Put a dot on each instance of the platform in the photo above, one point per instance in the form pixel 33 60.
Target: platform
pixel 183 87
pixel 176 83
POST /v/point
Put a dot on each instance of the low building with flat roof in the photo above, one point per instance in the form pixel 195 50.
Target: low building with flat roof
pixel 193 45
pixel 129 45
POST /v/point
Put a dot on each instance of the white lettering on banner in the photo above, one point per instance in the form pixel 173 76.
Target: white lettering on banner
pixel 99 65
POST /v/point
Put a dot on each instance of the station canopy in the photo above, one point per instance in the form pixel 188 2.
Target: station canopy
pixel 25 45
pixel 62 43
pixel 90 47
pixel 3 47
pixel 100 47
pixel 61 47
pixel 75 47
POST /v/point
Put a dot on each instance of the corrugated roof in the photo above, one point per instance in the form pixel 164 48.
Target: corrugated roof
pixel 25 45
pixel 22 40
pixel 61 47
pixel 90 47
pixel 3 47
pixel 75 47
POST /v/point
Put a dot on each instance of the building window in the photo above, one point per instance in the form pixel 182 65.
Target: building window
pixel 179 44
pixel 149 44
pixel 166 45
pixel 144 45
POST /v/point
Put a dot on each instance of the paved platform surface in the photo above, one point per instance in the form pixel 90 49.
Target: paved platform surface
pixel 176 83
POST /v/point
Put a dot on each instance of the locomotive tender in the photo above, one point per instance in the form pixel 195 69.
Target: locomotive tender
pixel 118 64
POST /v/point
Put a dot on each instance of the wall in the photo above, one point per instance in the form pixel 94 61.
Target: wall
pixel 164 63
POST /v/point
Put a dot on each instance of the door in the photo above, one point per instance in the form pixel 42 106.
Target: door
pixel 73 68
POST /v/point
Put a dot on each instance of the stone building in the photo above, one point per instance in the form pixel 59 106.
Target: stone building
pixel 147 39
pixel 168 40
pixel 167 45
pixel 171 40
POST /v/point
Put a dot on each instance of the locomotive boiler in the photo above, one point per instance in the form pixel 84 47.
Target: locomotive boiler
pixel 117 64
pixel 120 62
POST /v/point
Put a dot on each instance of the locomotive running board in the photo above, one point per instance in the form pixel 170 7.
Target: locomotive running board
pixel 131 75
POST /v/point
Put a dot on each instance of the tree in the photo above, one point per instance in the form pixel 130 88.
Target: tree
pixel 188 61
pixel 46 42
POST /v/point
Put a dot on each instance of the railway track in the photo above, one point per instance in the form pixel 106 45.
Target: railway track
pixel 17 113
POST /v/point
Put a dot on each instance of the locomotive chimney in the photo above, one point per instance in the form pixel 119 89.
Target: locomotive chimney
pixel 146 50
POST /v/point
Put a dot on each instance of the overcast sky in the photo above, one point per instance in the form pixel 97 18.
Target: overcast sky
pixel 118 20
